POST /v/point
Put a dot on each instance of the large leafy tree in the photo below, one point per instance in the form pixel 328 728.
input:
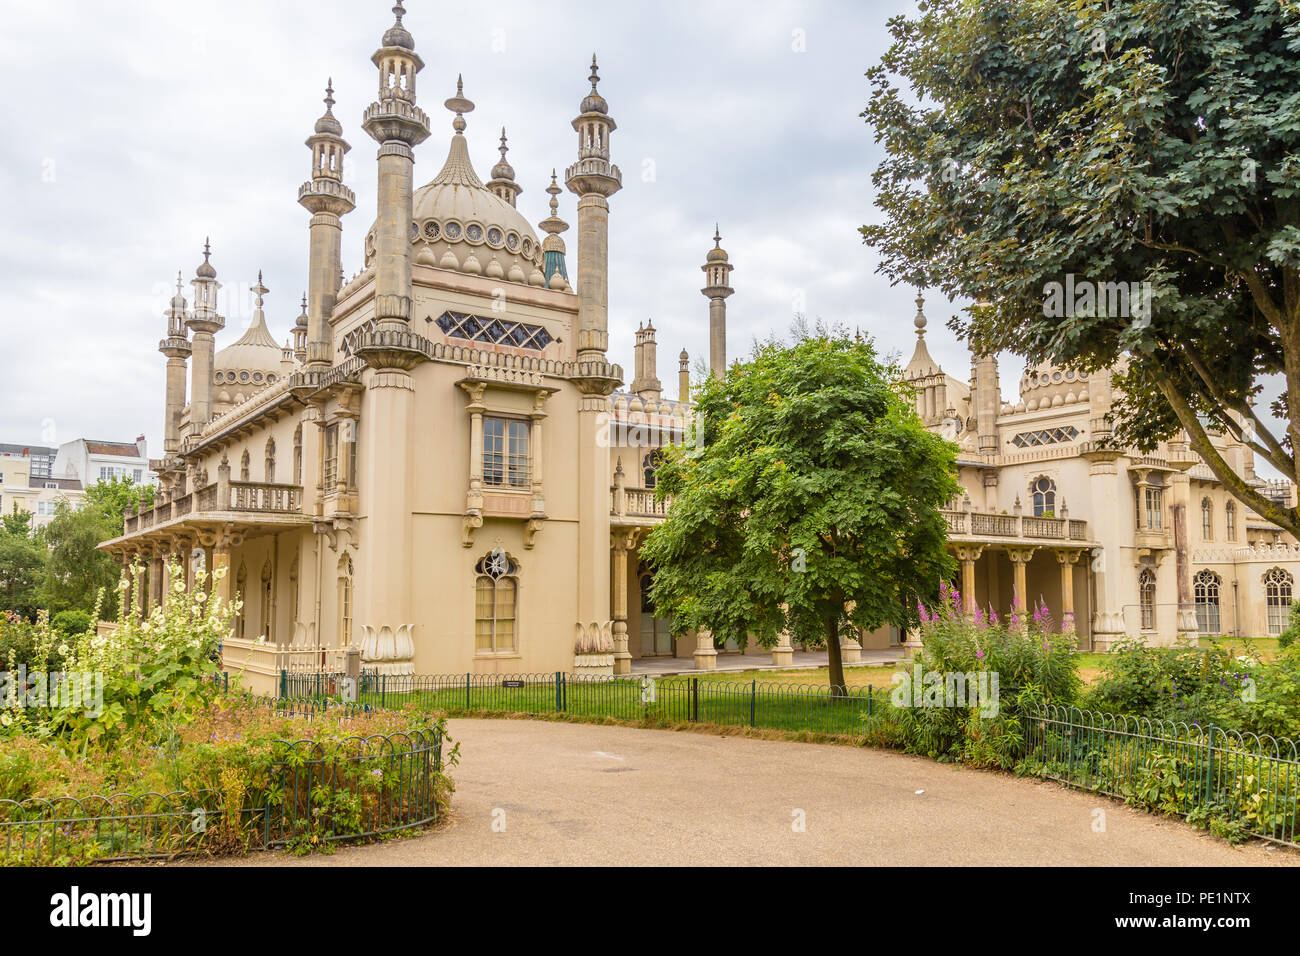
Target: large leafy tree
pixel 809 501
pixel 75 570
pixel 22 564
pixel 1133 141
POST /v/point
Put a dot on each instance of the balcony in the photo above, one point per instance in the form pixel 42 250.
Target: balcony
pixel 249 504
pixel 636 506
pixel 979 526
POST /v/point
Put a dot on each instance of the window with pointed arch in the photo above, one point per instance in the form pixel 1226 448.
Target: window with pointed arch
pixel 1277 596
pixel 1147 598
pixel 1043 494
pixel 650 468
pixel 270 461
pixel 268 589
pixel 1205 587
pixel 1207 519
pixel 345 601
pixel 1230 521
pixel 241 589
pixel 496 596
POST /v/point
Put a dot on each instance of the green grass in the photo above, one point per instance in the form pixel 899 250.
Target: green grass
pixel 771 705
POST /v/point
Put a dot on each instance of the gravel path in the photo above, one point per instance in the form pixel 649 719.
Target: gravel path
pixel 536 792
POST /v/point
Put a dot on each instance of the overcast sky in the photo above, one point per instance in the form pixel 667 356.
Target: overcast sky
pixel 132 130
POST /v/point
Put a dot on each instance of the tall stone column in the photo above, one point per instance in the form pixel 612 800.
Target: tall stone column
pixel 1067 559
pixel 204 322
pixel 624 542
pixel 1180 494
pixel 391 351
pixel 1020 558
pixel 176 347
pixel 593 179
pixel 968 555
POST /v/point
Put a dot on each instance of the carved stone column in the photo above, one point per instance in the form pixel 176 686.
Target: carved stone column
pixel 1068 560
pixel 624 542
pixel 968 555
pixel 1020 558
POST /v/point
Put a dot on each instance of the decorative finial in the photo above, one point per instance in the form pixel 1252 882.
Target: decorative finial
pixel 329 96
pixel 503 148
pixel 595 74
pixel 398 11
pixel 259 290
pixel 304 302
pixel 179 285
pixel 459 105
pixel 717 237
pixel 920 320
pixel 207 248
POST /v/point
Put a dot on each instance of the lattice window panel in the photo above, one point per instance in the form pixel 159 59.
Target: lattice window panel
pixel 1046 436
pixel 498 331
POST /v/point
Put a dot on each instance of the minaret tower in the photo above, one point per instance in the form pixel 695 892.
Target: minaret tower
pixel 204 322
pixel 593 179
pixel 553 249
pixel 391 350
pixel 176 346
pixel 684 377
pixel 717 287
pixel 300 329
pixel 646 384
pixel 987 392
pixel 327 199
pixel 503 182
pixel 398 125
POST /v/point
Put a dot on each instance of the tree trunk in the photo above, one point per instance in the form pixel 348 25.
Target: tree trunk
pixel 836 660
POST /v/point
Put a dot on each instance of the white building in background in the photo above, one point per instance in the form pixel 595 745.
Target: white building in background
pixel 89 461
pixel 25 487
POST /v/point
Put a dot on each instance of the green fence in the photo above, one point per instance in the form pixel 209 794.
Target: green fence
pixel 1173 767
pixel 771 705
pixel 373 785
pixel 1177 768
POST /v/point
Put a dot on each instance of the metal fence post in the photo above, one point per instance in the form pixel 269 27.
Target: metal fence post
pixel 467 692
pixel 695 699
pixel 1209 764
pixel 753 701
pixel 284 683
pixel 559 704
pixel 383 690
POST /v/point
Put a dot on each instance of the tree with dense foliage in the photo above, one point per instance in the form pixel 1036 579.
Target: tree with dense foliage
pixel 75 570
pixel 808 501
pixel 22 564
pixel 1131 141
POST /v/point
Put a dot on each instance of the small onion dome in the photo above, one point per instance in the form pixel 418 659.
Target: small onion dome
pixel 178 300
pixel 301 321
pixel 717 253
pixel 327 123
pixel 503 170
pixel 684 357
pixel 594 102
pixel 205 270
pixel 397 34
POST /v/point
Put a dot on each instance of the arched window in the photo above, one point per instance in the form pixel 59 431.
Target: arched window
pixel 1147 598
pixel 1207 519
pixel 241 588
pixel 1206 587
pixel 496 597
pixel 1277 595
pixel 1230 521
pixel 1043 491
pixel 345 601
pixel 268 590
pixel 270 461
pixel 650 468
pixel 244 474
pixel 297 455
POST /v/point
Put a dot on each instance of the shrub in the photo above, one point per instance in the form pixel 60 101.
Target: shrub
pixel 1287 637
pixel 71 623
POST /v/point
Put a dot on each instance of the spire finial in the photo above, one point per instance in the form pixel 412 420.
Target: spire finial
pixel 459 105
pixel 920 320
pixel 595 73
pixel 329 96
pixel 179 285
pixel 207 248
pixel 304 302
pixel 717 237
pixel 503 148
pixel 259 290
pixel 398 11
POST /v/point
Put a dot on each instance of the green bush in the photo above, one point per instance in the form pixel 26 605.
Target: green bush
pixel 1030 662
pixel 1287 637
pixel 71 623
pixel 29 645
pixel 1203 686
